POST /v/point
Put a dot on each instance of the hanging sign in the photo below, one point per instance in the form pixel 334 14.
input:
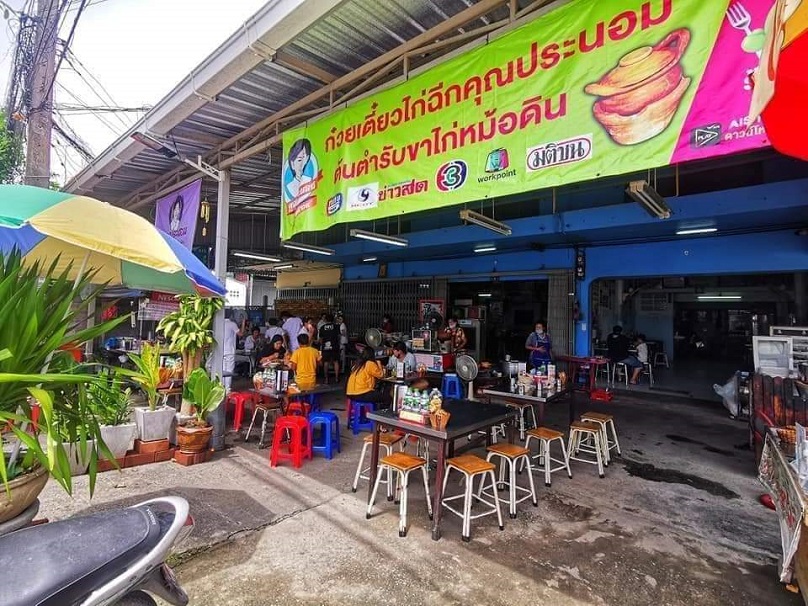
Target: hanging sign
pixel 588 90
pixel 178 211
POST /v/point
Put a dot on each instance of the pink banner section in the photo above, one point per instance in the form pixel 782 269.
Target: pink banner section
pixel 717 129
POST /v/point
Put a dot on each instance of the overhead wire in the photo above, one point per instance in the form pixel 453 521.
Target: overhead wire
pixel 67 42
pixel 100 116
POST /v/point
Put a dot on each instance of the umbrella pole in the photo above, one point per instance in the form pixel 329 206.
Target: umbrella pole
pixel 15 452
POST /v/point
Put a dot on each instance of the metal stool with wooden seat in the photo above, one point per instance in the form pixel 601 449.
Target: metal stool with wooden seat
pixel 511 454
pixel 546 437
pixel 471 466
pixel 661 359
pixel 620 372
pixel 606 422
pixel 581 431
pixel 266 407
pixel 386 441
pixel 403 464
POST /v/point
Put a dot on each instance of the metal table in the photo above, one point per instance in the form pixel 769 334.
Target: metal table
pixel 467 418
pixel 538 404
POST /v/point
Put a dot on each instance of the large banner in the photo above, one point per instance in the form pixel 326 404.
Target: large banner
pixel 178 211
pixel 588 90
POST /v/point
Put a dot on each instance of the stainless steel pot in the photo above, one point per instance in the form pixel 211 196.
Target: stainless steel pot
pixel 512 367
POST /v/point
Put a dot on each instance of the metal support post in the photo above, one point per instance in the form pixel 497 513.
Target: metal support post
pixel 217 418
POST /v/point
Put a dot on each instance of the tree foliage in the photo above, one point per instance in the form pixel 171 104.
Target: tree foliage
pixel 11 153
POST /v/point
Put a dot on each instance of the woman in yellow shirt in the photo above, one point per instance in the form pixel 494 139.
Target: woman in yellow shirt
pixel 304 362
pixel 363 380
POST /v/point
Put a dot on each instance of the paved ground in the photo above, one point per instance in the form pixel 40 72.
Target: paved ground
pixel 675 521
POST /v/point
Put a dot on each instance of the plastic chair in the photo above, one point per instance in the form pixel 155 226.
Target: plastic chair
pixel 239 399
pixel 451 387
pixel 356 423
pixel 329 422
pixel 299 445
pixel 298 407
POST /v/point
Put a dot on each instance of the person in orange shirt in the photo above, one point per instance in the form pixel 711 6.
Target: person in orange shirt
pixel 364 377
pixel 304 362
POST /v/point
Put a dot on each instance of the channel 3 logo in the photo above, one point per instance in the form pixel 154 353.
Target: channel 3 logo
pixel 452 175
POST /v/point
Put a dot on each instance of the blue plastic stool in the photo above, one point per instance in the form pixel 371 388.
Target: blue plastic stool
pixel 329 440
pixel 356 422
pixel 451 387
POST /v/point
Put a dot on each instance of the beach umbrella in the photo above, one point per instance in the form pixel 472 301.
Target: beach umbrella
pixel 123 248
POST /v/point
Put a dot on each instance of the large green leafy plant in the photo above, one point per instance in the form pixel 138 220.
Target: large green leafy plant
pixel 42 312
pixel 204 393
pixel 147 373
pixel 189 330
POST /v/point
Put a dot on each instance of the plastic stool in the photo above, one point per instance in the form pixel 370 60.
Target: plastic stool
pixel 330 427
pixel 239 399
pixel 451 387
pixel 298 407
pixel 356 423
pixel 299 445
pixel 403 464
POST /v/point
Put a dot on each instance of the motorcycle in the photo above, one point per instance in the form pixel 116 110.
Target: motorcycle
pixel 110 558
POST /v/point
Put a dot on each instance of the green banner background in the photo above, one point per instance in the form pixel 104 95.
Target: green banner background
pixel 507 117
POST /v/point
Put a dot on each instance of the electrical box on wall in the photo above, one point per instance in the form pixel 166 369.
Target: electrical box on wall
pixel 580 264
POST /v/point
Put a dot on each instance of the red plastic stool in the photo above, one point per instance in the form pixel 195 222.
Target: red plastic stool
pixel 240 399
pixel 299 444
pixel 298 407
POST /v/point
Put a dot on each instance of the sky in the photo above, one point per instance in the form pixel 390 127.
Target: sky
pixel 138 50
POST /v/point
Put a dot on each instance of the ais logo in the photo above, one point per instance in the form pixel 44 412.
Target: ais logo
pixel 451 176
pixel 334 205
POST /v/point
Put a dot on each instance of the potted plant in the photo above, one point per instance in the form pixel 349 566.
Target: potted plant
pixel 41 310
pixel 189 330
pixel 206 395
pixel 153 422
pixel 111 404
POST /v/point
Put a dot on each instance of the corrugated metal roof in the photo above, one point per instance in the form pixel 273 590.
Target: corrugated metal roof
pixel 345 39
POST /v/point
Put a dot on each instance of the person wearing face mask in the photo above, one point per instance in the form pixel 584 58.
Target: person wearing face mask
pixel 456 335
pixel 539 345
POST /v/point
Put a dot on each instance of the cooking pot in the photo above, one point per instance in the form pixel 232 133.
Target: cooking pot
pixel 639 97
pixel 512 368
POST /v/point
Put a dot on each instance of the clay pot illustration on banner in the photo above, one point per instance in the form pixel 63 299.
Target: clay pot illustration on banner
pixel 638 98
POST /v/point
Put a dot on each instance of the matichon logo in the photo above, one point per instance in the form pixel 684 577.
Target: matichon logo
pixel 556 153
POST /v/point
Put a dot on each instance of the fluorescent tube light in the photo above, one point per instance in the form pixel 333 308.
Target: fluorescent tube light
pixel 720 297
pixel 257 257
pixel 469 216
pixel 647 197
pixel 369 259
pixel 485 249
pixel 316 250
pixel 284 266
pixel 484 294
pixel 696 230
pixel 374 237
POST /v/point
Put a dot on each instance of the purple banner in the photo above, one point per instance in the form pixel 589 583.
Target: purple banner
pixel 177 213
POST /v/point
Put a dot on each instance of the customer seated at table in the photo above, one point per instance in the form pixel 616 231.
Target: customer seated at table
pixel 273 352
pixel 400 354
pixel 304 362
pixel 363 382
pixel 254 341
pixel 619 345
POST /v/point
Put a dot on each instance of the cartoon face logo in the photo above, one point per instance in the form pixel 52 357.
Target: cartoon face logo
pixel 497 160
pixel 299 171
pixel 452 175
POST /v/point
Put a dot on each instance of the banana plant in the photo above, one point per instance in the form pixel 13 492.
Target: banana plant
pixel 189 330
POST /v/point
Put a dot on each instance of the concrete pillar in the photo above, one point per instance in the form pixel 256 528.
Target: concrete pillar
pixel 800 299
pixel 619 293
pixel 583 328
pixel 217 418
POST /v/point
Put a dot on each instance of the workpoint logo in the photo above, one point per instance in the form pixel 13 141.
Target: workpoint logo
pixel 452 175
pixel 496 167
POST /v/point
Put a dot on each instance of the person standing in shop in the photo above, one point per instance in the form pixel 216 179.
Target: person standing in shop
pixel 539 345
pixel 329 346
pixel 292 327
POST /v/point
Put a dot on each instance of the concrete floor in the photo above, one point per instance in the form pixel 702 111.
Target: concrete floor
pixel 676 521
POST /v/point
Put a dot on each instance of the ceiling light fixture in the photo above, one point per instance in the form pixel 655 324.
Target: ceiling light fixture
pixel 720 297
pixel 647 197
pixel 374 237
pixel 696 230
pixel 309 248
pixel 257 256
pixel 284 266
pixel 369 259
pixel 486 248
pixel 469 216
pixel 485 295
pixel 161 148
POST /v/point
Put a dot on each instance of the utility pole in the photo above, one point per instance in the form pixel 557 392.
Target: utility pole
pixel 40 116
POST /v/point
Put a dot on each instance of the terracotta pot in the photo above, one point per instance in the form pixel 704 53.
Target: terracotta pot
pixel 24 491
pixel 639 97
pixel 192 439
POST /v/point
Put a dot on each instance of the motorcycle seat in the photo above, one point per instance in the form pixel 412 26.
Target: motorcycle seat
pixel 62 562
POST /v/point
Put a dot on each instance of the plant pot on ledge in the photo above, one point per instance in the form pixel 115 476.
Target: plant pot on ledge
pixel 193 439
pixel 154 424
pixel 23 491
pixel 120 439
